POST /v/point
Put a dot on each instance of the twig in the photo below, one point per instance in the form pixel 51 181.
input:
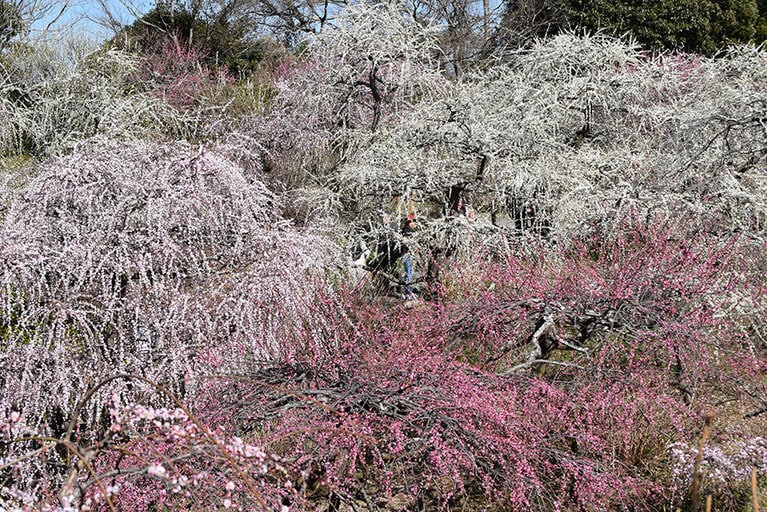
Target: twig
pixel 754 490
pixel 573 347
pixel 538 352
pixel 695 487
pixel 755 413
pixel 528 364
pixel 25 456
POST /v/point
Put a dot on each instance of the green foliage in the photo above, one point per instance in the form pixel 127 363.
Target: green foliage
pixel 13 164
pixel 229 44
pixel 225 41
pixel 524 20
pixel 702 26
pixel 11 23
pixel 760 34
pixel 250 96
pixel 12 325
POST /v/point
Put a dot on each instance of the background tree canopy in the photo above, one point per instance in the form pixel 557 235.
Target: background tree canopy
pixel 222 37
pixel 11 23
pixel 687 25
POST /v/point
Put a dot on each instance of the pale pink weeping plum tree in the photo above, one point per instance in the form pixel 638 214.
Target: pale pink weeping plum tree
pixel 166 262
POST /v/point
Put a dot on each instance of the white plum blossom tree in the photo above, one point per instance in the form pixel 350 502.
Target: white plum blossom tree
pixel 577 128
pixel 51 98
pixel 357 76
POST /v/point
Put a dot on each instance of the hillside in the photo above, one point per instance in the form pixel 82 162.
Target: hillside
pixel 208 300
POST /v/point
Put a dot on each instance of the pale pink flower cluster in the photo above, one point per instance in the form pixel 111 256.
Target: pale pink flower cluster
pixel 723 464
pixel 11 424
pixel 157 470
pixel 175 426
pixel 139 412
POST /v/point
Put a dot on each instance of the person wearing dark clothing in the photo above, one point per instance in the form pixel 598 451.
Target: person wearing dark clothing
pixel 408 227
